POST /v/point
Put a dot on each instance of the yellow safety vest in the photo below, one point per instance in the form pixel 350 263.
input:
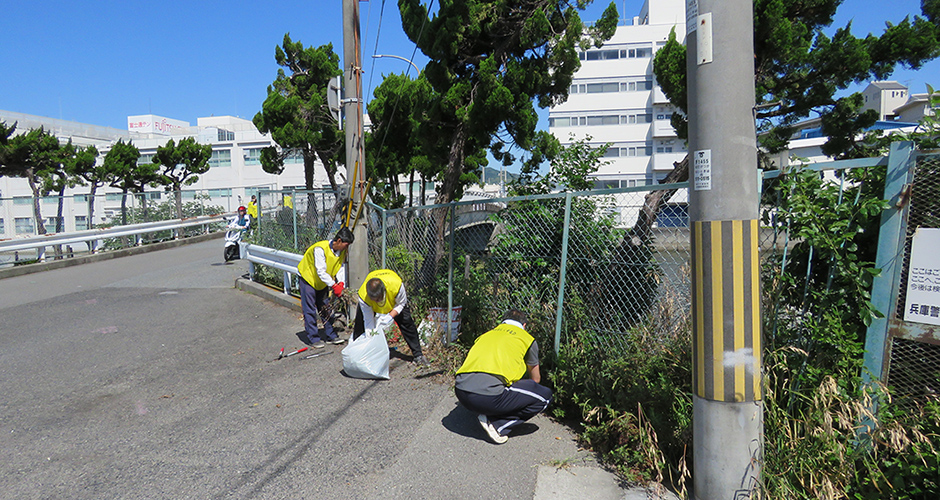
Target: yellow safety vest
pixel 392 285
pixel 501 352
pixel 307 267
pixel 252 210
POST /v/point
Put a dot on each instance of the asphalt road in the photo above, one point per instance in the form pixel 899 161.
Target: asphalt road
pixel 151 376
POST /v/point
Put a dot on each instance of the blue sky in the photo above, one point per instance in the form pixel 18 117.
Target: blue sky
pixel 101 60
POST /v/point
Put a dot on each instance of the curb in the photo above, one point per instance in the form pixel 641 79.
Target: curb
pixel 268 293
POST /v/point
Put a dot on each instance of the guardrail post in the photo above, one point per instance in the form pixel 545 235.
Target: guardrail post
pixel 286 283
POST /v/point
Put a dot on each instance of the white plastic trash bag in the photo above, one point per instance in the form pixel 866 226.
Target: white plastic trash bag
pixel 367 356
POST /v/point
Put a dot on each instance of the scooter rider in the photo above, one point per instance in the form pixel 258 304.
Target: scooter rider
pixel 238 225
pixel 241 221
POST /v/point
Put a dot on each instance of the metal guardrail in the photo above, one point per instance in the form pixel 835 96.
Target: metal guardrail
pixel 278 259
pixel 39 243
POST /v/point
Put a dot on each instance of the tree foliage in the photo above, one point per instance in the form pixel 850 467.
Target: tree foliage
pixel 123 172
pixel 34 156
pixel 180 165
pixel 490 63
pixel 799 69
pixel 296 111
pixel 395 146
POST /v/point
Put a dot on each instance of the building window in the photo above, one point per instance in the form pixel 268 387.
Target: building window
pixel 3 229
pixel 664 149
pixel 600 88
pixel 220 193
pixel 606 183
pixel 52 224
pixel 294 157
pixel 50 200
pixel 225 135
pixel 638 118
pixel 81 222
pixel 253 156
pixel 145 159
pixel 640 86
pixel 80 198
pixel 221 158
pixel 24 225
pixel 22 200
pixel 603 120
pixel 113 196
pixel 612 152
pixel 563 121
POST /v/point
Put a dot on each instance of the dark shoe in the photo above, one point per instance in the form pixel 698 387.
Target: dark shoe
pixel 491 431
pixel 420 360
pixel 336 341
pixel 318 344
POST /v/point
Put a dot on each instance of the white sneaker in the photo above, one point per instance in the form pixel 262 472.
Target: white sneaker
pixel 491 431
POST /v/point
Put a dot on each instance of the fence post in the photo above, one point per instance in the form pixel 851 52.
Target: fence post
pixel 564 271
pixel 293 209
pixel 450 275
pixel 890 256
pixel 384 235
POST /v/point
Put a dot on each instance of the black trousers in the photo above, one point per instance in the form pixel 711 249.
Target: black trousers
pixel 518 403
pixel 405 322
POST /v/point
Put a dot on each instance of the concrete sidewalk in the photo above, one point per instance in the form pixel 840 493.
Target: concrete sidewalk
pixel 450 456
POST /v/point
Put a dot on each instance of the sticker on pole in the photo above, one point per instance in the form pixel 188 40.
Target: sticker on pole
pixel 923 278
pixel 702 170
pixel 691 16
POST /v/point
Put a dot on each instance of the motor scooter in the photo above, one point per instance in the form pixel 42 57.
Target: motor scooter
pixel 233 236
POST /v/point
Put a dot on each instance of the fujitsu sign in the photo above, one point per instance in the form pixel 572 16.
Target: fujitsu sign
pixel 153 124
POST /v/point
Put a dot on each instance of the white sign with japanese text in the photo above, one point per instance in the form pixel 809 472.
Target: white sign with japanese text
pixel 702 170
pixel 923 278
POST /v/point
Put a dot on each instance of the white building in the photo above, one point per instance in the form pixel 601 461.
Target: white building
pixel 899 111
pixel 235 169
pixel 614 99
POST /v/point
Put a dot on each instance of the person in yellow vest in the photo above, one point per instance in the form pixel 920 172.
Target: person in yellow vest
pixel 382 300
pixel 490 381
pixel 321 270
pixel 253 207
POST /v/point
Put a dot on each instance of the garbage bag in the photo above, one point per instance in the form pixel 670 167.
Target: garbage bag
pixel 367 356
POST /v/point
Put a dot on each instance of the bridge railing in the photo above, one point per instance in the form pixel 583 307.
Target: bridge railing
pixel 94 236
pixel 284 261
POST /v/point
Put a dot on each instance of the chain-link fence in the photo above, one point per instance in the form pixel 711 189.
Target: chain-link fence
pixel 913 367
pixel 295 219
pixel 571 261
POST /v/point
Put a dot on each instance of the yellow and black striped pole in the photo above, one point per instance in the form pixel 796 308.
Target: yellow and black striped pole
pixel 726 311
pixel 727 420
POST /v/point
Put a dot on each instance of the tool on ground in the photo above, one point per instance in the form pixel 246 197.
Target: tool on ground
pixel 281 355
pixel 302 349
pixel 317 354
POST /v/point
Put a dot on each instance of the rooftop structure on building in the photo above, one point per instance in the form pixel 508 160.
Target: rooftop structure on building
pixel 898 111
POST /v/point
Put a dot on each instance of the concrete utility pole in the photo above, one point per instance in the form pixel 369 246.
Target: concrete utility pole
pixel 723 208
pixel 355 155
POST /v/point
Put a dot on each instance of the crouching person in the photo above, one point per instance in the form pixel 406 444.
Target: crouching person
pixel 490 381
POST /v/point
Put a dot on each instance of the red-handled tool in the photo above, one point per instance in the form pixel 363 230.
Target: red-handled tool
pixel 302 349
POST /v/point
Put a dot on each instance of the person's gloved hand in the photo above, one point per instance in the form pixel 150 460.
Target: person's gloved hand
pixel 338 288
pixel 383 321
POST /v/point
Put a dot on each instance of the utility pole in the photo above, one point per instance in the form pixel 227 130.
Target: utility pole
pixel 355 155
pixel 727 410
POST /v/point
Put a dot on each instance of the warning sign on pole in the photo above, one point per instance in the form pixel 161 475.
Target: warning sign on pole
pixel 923 278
